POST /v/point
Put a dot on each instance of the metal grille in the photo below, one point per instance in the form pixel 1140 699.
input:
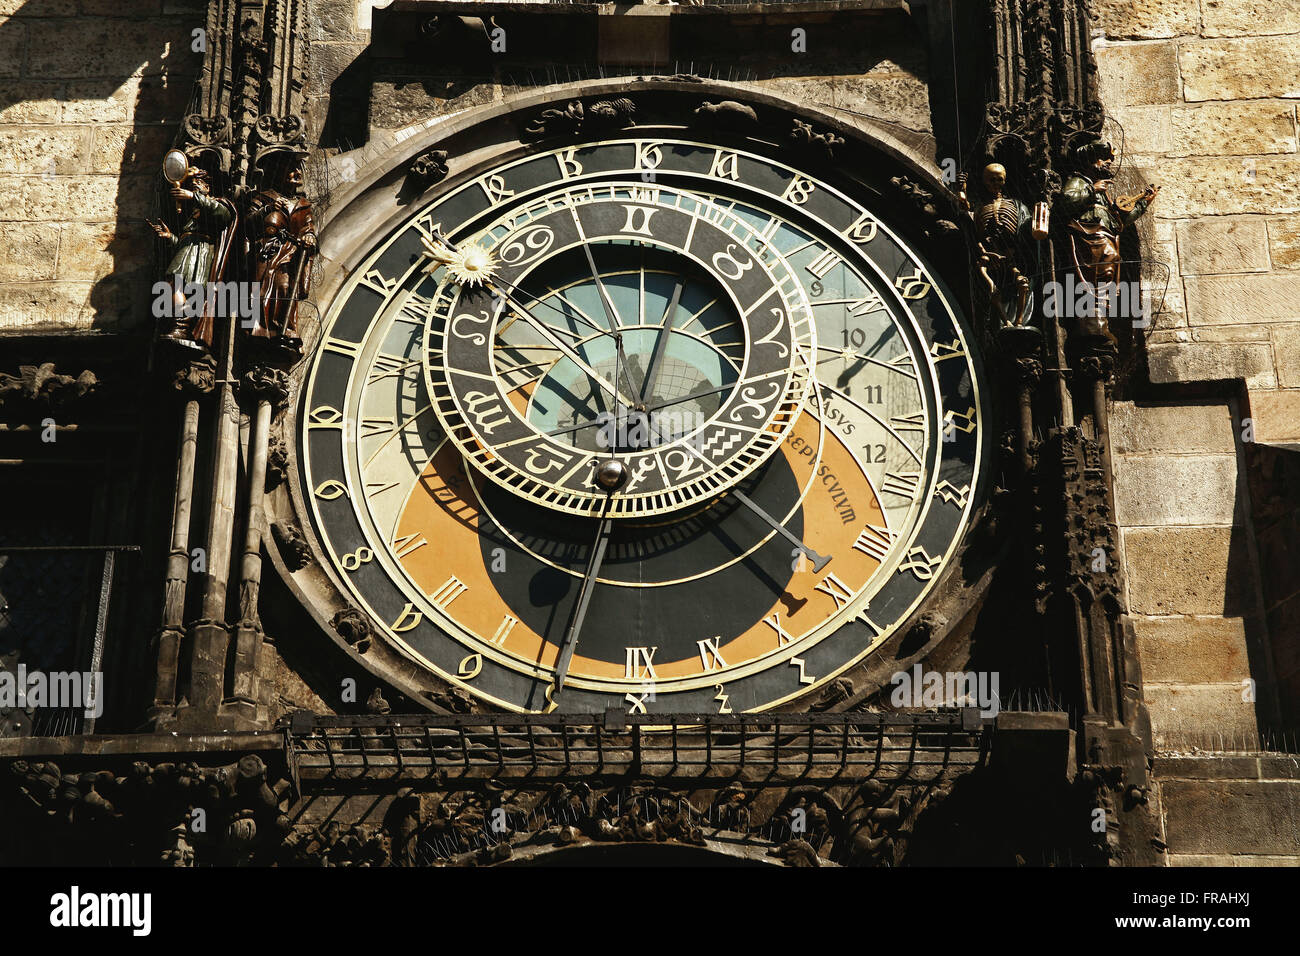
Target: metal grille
pixel 759 747
pixel 54 609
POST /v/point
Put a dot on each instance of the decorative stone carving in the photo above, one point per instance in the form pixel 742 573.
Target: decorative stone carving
pixel 277 461
pixel 429 167
pixel 196 376
pixel 603 114
pixel 353 627
pixel 265 382
pixel 231 814
pixel 803 135
pixel 934 223
pixel 727 114
pixel 41 386
pixel 293 546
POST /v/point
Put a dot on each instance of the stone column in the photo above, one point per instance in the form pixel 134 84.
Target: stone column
pixel 194 379
pixel 209 637
pixel 269 389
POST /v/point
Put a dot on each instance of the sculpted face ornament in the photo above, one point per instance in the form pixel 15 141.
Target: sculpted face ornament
pixel 577 437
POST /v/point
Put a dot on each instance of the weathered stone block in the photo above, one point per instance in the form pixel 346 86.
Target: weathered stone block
pixel 44 150
pixel 48 8
pixel 1219 186
pixel 1224 859
pixel 44 306
pixel 1187 571
pixel 1211 361
pixel 1146 129
pixel 1134 74
pixel 1164 490
pixel 1284 241
pixel 95 250
pixel 1216 244
pixel 13 46
pixel 1248 17
pixel 1215 767
pixel 30 102
pixel 61 48
pixel 93 102
pixel 1241 299
pixel 898 98
pixel 1232 129
pixel 119 149
pixel 29 252
pixel 1246 69
pixel 1239 816
pixel 1195 650
pixel 1151 19
pixel 1276 415
pixel 328 60
pixel 162 98
pixel 114 8
pixel 1197 715
pixel 1177 429
pixel 1286 352
pixel 402 101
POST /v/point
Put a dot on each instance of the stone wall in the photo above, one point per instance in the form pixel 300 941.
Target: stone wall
pixel 91 92
pixel 365 83
pixel 1206 94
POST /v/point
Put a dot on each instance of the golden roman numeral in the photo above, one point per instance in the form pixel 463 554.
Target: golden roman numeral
pixel 901 483
pixel 451 589
pixel 875 541
pixel 407 543
pixel 503 630
pixel 710 658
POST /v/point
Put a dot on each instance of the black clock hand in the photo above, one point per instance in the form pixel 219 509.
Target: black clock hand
pixel 661 344
pixel 584 597
pixel 564 349
pixel 819 560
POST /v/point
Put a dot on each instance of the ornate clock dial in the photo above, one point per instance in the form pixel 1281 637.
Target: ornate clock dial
pixel 785 384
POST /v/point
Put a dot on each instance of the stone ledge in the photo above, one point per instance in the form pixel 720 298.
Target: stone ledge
pixel 1227 859
pixel 125 745
pixel 1260 767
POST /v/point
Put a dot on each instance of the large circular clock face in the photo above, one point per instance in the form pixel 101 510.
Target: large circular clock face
pixel 645 423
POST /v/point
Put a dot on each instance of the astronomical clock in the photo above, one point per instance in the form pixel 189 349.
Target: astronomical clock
pixel 663 413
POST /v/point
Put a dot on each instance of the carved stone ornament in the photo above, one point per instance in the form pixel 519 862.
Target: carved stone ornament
pixel 574 117
pixel 293 546
pixel 40 385
pixel 207 130
pixel 198 375
pixel 280 130
pixel 803 135
pixel 242 806
pixel 934 222
pixel 353 627
pixel 270 384
pixel 727 114
pixel 429 167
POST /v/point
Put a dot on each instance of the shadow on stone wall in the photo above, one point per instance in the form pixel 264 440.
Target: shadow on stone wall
pixel 91 101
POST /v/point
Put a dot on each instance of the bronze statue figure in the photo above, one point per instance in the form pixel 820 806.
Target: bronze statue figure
pixel 1095 218
pixel 200 252
pixel 280 237
pixel 1001 225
